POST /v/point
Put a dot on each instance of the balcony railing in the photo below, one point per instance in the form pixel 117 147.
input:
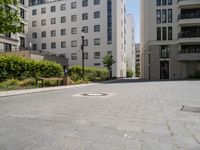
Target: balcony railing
pixel 190 49
pixel 189 16
pixel 188 35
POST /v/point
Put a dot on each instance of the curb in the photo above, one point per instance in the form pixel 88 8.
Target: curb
pixel 39 90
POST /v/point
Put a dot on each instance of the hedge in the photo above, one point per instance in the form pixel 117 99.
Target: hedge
pixel 91 73
pixel 15 67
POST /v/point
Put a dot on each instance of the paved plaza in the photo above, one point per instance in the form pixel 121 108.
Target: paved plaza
pixel 135 115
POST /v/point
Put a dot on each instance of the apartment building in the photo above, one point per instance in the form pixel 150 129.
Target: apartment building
pixel 130 42
pixel 14 42
pixel 170 39
pixel 56 25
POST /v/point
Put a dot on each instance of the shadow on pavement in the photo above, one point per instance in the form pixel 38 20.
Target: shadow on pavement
pixel 138 80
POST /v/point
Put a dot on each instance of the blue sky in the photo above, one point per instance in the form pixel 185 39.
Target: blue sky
pixel 133 7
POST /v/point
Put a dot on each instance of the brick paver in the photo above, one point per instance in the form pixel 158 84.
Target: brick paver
pixel 136 116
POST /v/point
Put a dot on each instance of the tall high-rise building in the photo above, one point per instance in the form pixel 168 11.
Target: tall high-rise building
pixel 56 25
pixel 14 42
pixel 130 42
pixel 170 39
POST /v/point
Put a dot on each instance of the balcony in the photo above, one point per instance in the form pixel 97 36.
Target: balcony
pixel 189 34
pixel 8 40
pixel 189 3
pixel 189 16
pixel 188 57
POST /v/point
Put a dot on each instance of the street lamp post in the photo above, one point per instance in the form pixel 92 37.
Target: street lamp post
pixel 82 48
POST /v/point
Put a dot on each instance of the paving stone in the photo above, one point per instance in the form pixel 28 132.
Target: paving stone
pixel 138 115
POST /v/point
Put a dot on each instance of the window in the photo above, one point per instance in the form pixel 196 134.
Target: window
pixel 34 24
pixel 43 10
pixel 170 15
pixel 63 44
pixel 85 16
pixel 158 2
pixel 73 5
pixel 164 51
pixel 43 34
pixel 34 35
pixel 96 55
pixel 164 2
pixel 97 28
pixel 97 41
pixel 164 15
pixel 109 22
pixel 63 7
pixel 73 18
pixel 85 42
pixel 63 32
pixel 170 33
pixel 85 55
pixel 97 14
pixel 53 20
pixel 73 30
pixel 53 45
pixel 84 3
pixel 63 19
pixel 44 46
pixel 96 2
pixel 53 32
pixel 34 12
pixel 43 22
pixel 169 2
pixel 53 8
pixel 74 56
pixel 85 29
pixel 22 13
pixel 74 43
pixel 34 46
pixel 164 33
pixel 158 33
pixel 158 15
pixel 97 64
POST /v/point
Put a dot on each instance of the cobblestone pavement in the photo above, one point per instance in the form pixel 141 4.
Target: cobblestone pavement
pixel 134 116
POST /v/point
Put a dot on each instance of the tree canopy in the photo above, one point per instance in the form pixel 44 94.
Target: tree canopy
pixel 10 21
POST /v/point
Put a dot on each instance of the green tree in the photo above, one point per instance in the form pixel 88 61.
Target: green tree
pixel 10 21
pixel 108 61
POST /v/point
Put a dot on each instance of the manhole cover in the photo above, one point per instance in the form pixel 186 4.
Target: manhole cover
pixel 190 109
pixel 94 94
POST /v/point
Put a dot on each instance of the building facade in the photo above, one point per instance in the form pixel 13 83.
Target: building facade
pixel 14 42
pixel 56 25
pixel 130 43
pixel 170 39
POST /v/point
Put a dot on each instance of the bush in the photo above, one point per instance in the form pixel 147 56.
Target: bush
pixel 10 84
pixel 14 67
pixel 129 73
pixel 195 76
pixel 91 73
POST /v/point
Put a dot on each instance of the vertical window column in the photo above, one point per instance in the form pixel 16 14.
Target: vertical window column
pixel 109 20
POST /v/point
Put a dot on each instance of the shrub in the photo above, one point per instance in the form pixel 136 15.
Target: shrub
pixel 129 73
pixel 14 67
pixel 91 73
pixel 195 76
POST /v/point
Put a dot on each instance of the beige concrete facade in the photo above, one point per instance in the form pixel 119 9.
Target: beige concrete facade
pixel 170 55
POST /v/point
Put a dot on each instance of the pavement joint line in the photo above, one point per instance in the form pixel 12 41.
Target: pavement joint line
pixel 39 90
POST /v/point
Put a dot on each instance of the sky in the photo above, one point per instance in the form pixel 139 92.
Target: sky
pixel 133 7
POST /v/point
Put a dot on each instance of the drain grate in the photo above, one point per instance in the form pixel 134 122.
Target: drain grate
pixel 94 94
pixel 190 109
